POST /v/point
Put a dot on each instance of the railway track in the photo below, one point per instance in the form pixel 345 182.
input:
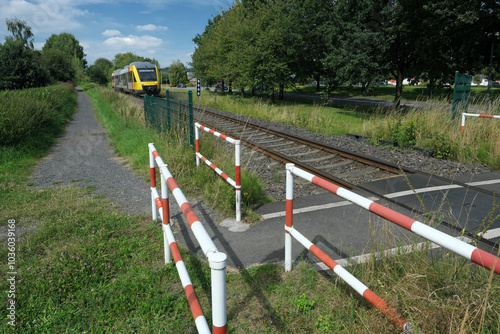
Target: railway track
pixel 332 163
pixel 345 168
pixel 339 166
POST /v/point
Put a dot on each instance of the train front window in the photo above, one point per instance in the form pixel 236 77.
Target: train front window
pixel 147 74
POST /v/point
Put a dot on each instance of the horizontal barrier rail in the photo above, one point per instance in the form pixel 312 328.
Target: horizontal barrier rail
pixel 357 285
pixel 476 255
pixel 217 260
pixel 237 162
pixel 464 115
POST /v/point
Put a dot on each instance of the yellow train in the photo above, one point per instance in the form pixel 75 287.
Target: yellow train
pixel 138 78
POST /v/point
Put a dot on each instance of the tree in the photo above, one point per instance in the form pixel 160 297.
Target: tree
pixel 177 73
pixel 202 58
pixel 123 59
pixel 19 64
pixel 19 67
pixel 66 49
pixel 67 43
pixel 100 71
pixel 307 38
pixel 20 32
pixel 356 46
pixel 268 42
pixel 58 64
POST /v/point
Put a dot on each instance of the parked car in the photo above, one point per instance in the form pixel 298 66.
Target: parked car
pixel 181 85
pixel 219 87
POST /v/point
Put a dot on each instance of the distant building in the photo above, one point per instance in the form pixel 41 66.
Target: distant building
pixel 405 82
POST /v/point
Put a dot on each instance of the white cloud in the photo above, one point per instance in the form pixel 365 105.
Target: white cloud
pixel 145 42
pixel 111 33
pixel 38 46
pixel 151 27
pixel 45 15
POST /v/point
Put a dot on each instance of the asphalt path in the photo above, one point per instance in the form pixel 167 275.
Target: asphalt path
pixel 84 156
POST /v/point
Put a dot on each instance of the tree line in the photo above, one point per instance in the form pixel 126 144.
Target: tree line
pixel 21 66
pixel 274 44
pixel 62 58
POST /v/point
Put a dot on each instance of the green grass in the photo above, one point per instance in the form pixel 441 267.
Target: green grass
pixel 22 156
pixel 433 129
pixel 311 116
pixel 410 93
pixel 87 269
pixel 29 112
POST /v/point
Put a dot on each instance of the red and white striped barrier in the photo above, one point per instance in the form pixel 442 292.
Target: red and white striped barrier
pixel 357 285
pixel 476 255
pixel 470 252
pixel 217 260
pixel 237 153
pixel 475 115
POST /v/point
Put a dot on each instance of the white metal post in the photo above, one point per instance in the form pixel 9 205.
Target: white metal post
pixel 154 209
pixel 197 143
pixel 289 216
pixel 166 217
pixel 218 263
pixel 237 158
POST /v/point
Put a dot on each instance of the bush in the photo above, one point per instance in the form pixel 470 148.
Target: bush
pixel 441 148
pixel 403 135
pixel 25 112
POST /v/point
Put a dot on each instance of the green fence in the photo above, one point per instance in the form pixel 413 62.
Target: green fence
pixel 461 93
pixel 172 115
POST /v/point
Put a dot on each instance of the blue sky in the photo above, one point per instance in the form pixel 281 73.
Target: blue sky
pixel 151 28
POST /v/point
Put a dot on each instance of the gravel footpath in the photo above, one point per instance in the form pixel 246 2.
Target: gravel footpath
pixel 83 157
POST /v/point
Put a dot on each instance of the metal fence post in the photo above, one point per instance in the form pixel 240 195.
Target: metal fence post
pixel 289 216
pixel 197 145
pixel 191 123
pixel 146 109
pixel 152 173
pixel 167 97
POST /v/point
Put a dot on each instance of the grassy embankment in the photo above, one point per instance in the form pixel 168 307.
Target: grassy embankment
pixel 430 128
pixel 85 269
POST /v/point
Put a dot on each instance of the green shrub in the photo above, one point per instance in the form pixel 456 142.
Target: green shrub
pixel 441 148
pixel 251 190
pixel 403 135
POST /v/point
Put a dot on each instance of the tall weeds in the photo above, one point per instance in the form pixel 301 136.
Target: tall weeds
pixel 435 131
pixel 25 112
